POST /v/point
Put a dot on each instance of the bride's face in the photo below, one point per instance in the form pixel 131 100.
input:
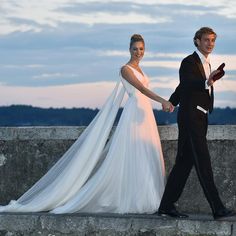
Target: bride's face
pixel 137 51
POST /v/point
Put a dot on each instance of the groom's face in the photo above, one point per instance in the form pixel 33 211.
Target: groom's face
pixel 206 44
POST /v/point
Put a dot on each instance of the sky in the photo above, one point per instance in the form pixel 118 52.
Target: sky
pixel 68 53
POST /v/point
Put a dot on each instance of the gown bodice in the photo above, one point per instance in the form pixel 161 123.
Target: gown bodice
pixel 130 89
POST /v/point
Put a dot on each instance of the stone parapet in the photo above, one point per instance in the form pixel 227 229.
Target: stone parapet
pixel 167 132
pixel 26 153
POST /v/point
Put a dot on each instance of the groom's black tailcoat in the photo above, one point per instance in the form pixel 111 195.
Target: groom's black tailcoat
pixel 192 143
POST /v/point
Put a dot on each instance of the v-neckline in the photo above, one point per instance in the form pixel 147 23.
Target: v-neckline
pixel 141 73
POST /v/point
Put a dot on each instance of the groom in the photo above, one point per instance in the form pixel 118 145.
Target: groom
pixel 195 97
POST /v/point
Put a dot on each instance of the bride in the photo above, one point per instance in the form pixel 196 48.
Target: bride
pixel 124 174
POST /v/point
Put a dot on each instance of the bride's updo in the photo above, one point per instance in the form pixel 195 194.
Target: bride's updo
pixel 136 38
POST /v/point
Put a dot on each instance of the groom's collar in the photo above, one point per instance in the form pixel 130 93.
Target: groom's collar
pixel 203 58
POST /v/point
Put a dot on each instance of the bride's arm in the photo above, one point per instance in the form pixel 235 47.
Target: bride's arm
pixel 128 75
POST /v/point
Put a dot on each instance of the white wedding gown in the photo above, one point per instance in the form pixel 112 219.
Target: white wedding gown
pixel 124 175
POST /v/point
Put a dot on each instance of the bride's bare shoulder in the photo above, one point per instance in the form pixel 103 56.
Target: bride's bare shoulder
pixel 125 70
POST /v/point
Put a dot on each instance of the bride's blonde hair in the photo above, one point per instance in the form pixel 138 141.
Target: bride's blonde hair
pixel 136 38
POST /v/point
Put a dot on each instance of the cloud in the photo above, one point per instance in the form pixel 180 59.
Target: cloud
pixel 225 85
pixel 93 94
pixel 148 54
pixel 23 16
pixel 54 75
pixel 228 59
pixel 16 66
pixel 75 95
pixel 111 18
pixel 44 14
pixel 7 27
pixel 164 64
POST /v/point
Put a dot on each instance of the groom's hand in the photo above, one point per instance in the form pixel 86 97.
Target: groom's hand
pixel 168 107
pixel 211 80
pixel 172 108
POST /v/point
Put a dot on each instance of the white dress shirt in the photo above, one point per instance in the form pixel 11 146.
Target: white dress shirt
pixel 206 66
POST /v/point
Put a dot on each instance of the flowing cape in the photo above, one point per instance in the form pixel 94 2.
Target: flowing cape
pixel 75 167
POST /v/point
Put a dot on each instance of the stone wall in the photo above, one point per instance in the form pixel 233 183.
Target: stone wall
pixel 26 153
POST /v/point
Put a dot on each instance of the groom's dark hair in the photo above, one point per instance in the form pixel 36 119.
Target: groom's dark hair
pixel 200 32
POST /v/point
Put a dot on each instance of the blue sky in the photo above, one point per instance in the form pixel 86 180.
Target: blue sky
pixel 67 53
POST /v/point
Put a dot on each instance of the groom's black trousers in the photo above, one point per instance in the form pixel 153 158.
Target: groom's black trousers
pixel 192 151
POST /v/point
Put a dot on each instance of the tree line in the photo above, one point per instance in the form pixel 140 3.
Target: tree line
pixel 23 115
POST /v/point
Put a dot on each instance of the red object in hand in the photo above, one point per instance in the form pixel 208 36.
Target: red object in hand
pixel 220 74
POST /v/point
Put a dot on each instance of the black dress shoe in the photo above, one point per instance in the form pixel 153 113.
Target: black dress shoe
pixel 224 213
pixel 172 213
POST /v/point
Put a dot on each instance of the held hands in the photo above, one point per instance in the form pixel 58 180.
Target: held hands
pixel 167 106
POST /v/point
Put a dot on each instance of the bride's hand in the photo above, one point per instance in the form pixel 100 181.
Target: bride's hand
pixel 167 106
